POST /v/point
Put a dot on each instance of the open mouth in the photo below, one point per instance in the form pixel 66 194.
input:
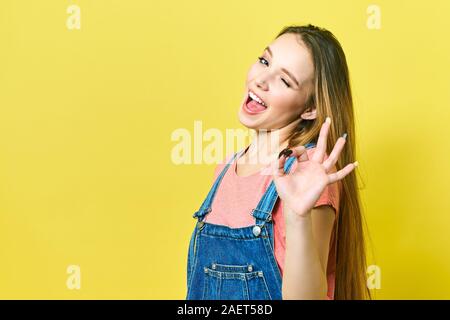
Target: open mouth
pixel 253 96
pixel 253 106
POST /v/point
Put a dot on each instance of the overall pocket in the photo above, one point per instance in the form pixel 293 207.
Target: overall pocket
pixel 234 282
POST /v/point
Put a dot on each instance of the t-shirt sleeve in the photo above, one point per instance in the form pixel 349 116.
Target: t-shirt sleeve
pixel 329 196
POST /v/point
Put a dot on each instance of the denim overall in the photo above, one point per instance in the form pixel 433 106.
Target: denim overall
pixel 235 263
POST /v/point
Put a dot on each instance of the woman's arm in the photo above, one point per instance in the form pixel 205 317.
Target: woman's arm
pixel 307 228
pixel 306 257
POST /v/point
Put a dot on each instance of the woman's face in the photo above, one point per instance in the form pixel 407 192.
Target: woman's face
pixel 283 79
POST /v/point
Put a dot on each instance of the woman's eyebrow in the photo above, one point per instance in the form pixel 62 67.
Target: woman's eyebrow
pixel 283 69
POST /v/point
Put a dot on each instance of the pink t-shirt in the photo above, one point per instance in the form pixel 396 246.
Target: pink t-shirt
pixel 237 196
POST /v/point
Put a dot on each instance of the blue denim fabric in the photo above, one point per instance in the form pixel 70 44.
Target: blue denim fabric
pixel 235 263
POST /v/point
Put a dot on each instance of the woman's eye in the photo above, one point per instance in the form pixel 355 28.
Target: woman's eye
pixel 287 84
pixel 262 59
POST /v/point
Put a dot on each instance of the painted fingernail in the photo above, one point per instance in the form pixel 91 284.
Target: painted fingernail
pixel 281 153
pixel 328 119
pixel 288 153
pixel 344 136
pixel 356 163
pixel 285 152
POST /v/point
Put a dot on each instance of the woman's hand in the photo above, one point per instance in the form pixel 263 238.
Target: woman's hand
pixel 300 189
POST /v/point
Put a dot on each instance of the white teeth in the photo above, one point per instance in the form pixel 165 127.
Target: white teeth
pixel 254 97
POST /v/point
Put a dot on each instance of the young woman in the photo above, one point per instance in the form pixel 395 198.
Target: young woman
pixel 286 225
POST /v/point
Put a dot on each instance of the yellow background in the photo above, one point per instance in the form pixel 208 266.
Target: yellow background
pixel 86 117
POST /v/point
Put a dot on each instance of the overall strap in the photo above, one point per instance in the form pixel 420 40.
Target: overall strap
pixel 205 208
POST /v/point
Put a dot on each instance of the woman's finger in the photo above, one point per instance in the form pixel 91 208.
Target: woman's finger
pixel 333 177
pixel 322 141
pixel 334 155
pixel 278 164
pixel 299 152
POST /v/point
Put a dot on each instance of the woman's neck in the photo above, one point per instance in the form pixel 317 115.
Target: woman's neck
pixel 267 144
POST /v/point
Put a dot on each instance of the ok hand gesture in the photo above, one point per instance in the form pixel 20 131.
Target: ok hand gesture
pixel 300 189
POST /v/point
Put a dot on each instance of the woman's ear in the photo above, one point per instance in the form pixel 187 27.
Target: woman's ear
pixel 309 113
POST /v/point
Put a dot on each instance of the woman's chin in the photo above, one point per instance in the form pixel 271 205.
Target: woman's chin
pixel 248 121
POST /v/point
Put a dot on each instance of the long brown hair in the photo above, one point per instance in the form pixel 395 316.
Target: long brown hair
pixel 332 97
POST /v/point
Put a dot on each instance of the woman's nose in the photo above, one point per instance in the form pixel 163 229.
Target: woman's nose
pixel 261 83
